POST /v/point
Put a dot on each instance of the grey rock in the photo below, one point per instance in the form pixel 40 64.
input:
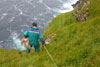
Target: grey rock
pixel 79 5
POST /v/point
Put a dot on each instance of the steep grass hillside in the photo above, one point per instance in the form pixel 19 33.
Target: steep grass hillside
pixel 76 44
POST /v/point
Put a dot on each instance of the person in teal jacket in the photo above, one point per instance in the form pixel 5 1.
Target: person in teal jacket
pixel 34 36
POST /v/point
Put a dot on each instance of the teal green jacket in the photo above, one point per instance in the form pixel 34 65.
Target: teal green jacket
pixel 34 36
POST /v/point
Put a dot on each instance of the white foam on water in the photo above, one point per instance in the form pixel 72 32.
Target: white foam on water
pixel 11 19
pixel 62 10
pixel 18 44
pixel 20 11
pixel 40 14
pixel 17 41
pixel 24 25
pixel 35 18
pixel 54 16
pixel 1 41
pixel 66 6
pixel 22 30
pixel 3 15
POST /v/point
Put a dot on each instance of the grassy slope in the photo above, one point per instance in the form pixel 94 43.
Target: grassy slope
pixel 75 44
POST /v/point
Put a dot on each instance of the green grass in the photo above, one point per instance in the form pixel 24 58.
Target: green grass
pixel 76 44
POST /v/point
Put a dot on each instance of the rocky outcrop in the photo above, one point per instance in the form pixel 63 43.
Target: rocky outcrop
pixel 49 38
pixel 81 10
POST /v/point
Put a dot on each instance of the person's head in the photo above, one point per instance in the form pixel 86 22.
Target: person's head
pixel 34 24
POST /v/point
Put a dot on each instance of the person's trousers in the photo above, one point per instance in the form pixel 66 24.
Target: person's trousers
pixel 37 49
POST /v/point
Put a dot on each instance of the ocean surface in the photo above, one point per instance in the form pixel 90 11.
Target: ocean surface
pixel 17 15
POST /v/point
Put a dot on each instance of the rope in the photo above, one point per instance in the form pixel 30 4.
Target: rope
pixel 50 57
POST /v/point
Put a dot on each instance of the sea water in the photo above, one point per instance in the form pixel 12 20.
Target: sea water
pixel 17 15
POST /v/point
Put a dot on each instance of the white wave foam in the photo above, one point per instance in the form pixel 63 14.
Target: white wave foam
pixel 16 8
pixel 54 16
pixel 66 7
pixel 22 30
pixel 11 20
pixel 62 10
pixel 35 18
pixel 17 42
pixel 24 26
pixel 40 14
pixel 3 15
pixel 1 41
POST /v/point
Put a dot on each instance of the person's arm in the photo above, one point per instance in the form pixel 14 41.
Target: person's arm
pixel 41 39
